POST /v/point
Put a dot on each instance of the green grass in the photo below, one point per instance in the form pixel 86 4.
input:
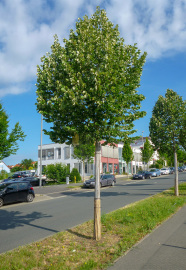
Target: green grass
pixel 76 248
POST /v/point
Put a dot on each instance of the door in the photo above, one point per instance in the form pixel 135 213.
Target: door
pixel 10 195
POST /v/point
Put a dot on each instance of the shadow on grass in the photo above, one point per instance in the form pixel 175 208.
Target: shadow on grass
pixel 80 234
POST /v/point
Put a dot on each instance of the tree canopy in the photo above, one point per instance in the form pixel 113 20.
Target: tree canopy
pixel 167 122
pixel 127 153
pixel 89 85
pixel 167 126
pixel 27 163
pixel 9 140
pixel 147 151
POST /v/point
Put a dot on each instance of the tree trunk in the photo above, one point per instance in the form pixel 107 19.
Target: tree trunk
pixel 176 174
pixel 97 201
pixel 83 171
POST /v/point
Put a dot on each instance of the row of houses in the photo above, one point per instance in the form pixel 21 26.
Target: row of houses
pixel 111 158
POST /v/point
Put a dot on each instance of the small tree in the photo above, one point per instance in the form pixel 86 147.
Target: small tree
pixel 75 175
pixel 26 163
pixel 147 151
pixel 167 126
pixel 8 141
pixel 3 174
pixel 88 87
pixel 84 151
pixel 127 153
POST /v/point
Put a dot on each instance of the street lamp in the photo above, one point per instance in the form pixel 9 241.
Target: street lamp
pixel 40 178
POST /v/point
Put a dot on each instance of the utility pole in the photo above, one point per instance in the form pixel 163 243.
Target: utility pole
pixel 40 178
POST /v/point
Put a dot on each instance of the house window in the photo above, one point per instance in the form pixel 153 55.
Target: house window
pixel 67 152
pixel 59 153
pixel 50 153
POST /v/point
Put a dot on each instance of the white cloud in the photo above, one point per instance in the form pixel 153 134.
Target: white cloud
pixel 27 28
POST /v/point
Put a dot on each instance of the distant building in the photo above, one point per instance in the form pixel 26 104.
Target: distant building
pixel 111 158
pixel 4 167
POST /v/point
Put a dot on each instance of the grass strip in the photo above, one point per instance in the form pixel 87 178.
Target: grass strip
pixel 76 248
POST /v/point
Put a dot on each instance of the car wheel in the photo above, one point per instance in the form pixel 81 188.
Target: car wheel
pixel 29 198
pixel 1 202
pixel 112 183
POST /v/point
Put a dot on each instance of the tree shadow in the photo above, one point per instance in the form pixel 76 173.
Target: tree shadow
pixel 14 219
pixel 80 234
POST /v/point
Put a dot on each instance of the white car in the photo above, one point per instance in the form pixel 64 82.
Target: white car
pixel 164 171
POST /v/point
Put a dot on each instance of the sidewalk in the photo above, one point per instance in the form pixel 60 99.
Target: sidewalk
pixel 163 249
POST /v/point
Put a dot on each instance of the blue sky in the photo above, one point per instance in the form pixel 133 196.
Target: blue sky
pixel 26 34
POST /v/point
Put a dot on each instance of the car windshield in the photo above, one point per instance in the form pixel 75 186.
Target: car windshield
pixel 152 170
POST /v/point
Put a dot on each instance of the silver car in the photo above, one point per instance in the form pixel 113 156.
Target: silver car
pixel 105 180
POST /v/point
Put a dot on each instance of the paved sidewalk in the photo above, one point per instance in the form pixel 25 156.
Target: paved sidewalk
pixel 163 249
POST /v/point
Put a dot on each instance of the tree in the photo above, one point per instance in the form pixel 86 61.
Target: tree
pixel 127 153
pixel 8 141
pixel 84 151
pixel 88 87
pixel 183 133
pixel 166 125
pixel 75 174
pixel 26 163
pixel 147 151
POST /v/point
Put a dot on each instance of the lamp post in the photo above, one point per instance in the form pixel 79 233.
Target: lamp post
pixel 40 178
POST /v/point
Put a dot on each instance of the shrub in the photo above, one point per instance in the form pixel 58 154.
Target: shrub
pixel 57 172
pixel 3 175
pixel 75 173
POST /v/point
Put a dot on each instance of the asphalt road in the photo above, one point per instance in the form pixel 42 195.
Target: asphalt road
pixel 24 223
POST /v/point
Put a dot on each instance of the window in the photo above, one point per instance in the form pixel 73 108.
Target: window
pixel 12 187
pixel 67 152
pixel 104 167
pixel 50 153
pixel 115 168
pixel 59 153
pixel 22 186
pixel 86 168
pixel 110 168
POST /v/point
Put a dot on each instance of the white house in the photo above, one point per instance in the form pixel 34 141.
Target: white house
pixel 4 167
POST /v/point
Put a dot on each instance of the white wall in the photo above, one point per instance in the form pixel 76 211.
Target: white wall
pixel 4 167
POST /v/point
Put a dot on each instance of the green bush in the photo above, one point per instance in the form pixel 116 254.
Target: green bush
pixel 57 172
pixel 75 173
pixel 3 175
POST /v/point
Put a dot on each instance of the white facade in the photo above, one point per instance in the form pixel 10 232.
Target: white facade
pixel 62 153
pixel 4 167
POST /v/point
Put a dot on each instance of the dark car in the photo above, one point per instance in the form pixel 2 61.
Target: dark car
pixel 105 180
pixel 34 181
pixel 16 191
pixel 142 175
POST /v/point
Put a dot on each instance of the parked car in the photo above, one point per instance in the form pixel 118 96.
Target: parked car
pixel 16 191
pixel 34 181
pixel 180 169
pixel 165 171
pixel 155 172
pixel 105 180
pixel 142 175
